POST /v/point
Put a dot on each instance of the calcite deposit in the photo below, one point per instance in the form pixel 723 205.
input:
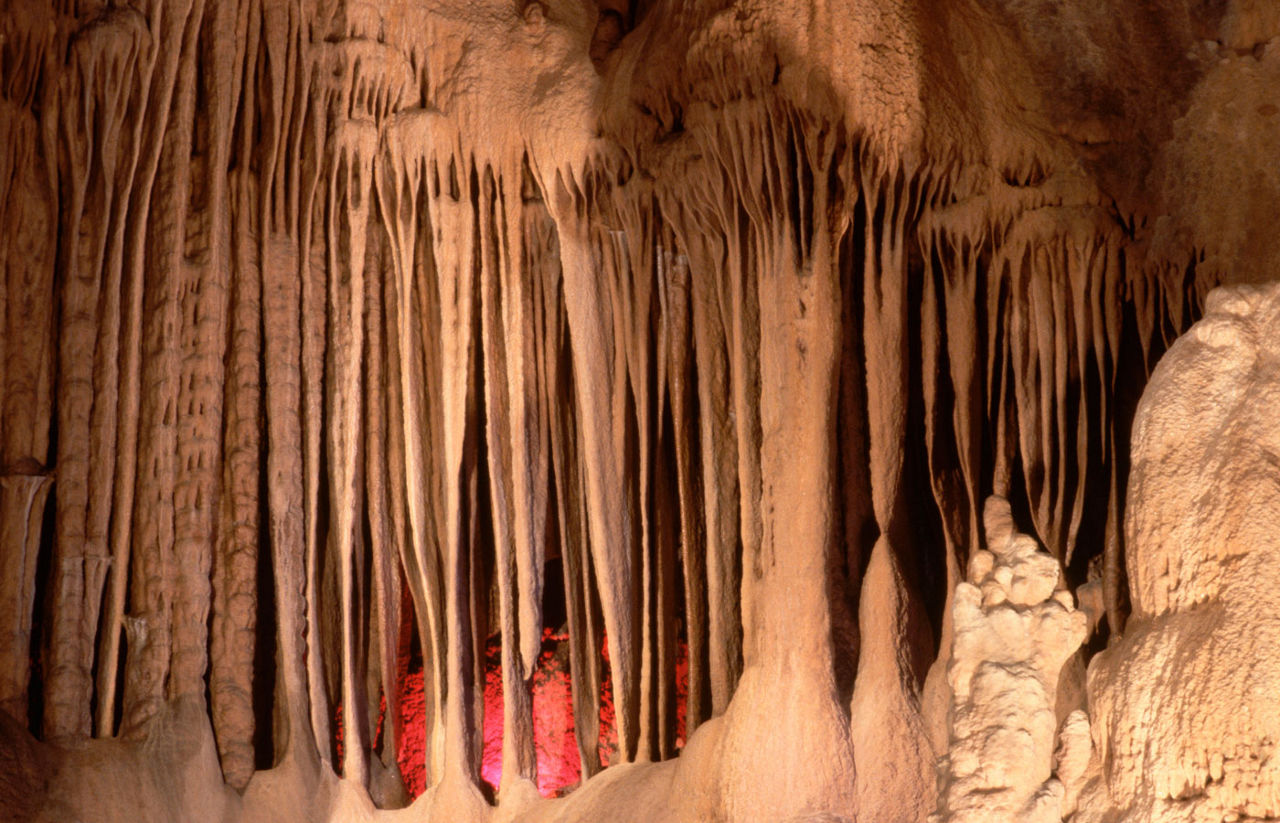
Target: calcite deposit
pixel 342 342
pixel 1185 717
pixel 1014 630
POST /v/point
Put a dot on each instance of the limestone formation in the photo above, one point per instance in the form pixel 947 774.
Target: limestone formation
pixel 343 342
pixel 1185 717
pixel 1014 629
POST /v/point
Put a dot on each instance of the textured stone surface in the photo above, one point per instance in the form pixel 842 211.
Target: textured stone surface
pixel 1014 630
pixel 1185 716
pixel 332 327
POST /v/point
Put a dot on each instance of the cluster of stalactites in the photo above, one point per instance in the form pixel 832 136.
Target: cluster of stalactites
pixel 314 345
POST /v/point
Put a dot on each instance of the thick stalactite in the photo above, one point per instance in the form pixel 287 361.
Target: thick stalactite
pixel 331 328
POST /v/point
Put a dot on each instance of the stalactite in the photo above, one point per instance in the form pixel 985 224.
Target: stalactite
pixel 22 502
pixel 851 436
pixel 597 364
pixel 503 429
pixel 106 57
pixel 284 228
pixel 947 484
pixel 386 517
pixel 885 698
pixel 476 603
pixel 233 638
pixel 1112 581
pixel 451 188
pixel 202 372
pixel 739 318
pixel 400 180
pixel 718 458
pixel 958 282
pixel 628 255
pixel 284 491
pixel 365 83
pixel 235 564
pixel 154 588
pixel 27 199
pixel 675 353
pixel 571 514
pixel 350 192
pixel 150 130
pixel 666 565
pixel 793 233
pixel 312 273
pixel 526 322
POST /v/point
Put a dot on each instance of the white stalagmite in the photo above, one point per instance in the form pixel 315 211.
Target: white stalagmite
pixel 1201 537
pixel 1014 629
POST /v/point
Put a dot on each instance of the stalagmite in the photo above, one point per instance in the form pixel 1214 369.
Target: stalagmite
pixel 1199 538
pixel 885 703
pixel 1014 631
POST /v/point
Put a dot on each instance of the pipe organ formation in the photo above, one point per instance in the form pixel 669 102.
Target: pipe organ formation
pixel 798 344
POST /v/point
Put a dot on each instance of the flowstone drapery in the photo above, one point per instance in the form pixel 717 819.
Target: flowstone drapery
pixel 344 342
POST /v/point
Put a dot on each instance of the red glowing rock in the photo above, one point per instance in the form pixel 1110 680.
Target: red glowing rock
pixel 559 767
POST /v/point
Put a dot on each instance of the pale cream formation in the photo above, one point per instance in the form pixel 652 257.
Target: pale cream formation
pixel 1186 706
pixel 1014 629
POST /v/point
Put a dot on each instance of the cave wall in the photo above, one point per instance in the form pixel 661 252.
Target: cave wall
pixel 332 327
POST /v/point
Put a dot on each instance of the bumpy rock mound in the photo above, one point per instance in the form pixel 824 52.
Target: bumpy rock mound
pixel 1014 630
pixel 1185 716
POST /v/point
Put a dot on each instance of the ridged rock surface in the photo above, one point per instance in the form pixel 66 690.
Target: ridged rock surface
pixel 341 339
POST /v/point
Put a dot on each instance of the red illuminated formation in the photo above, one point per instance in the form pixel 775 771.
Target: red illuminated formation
pixel 559 768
